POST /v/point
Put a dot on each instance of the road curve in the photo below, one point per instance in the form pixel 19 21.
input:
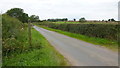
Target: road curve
pixel 78 52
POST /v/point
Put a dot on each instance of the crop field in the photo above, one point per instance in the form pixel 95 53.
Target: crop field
pixel 77 22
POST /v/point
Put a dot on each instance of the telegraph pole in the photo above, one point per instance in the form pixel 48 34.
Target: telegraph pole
pixel 29 31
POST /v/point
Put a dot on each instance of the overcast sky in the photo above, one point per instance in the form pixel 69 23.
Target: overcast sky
pixel 90 9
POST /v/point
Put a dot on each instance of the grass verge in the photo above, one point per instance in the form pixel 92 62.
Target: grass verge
pixel 111 44
pixel 43 55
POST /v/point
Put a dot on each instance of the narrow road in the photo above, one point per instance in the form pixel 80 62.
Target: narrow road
pixel 78 52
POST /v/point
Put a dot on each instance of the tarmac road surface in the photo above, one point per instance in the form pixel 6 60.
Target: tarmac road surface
pixel 80 53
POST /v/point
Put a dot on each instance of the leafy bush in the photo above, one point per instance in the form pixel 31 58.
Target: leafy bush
pixel 18 13
pixel 14 35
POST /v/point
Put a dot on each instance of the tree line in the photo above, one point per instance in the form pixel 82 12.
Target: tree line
pixel 20 15
pixel 23 17
pixel 55 20
pixel 65 19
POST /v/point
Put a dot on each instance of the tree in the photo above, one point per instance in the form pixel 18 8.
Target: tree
pixel 24 17
pixel 65 19
pixel 103 20
pixel 34 18
pixel 18 13
pixel 55 20
pixel 111 20
pixel 74 19
pixel 82 19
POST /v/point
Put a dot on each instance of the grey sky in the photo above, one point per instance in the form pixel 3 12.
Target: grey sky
pixel 90 9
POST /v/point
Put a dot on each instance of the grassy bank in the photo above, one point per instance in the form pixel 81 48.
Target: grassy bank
pixel 16 50
pixel 43 55
pixel 113 45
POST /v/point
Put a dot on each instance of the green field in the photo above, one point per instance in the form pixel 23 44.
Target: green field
pixel 86 22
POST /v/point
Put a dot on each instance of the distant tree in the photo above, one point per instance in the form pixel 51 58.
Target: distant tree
pixel 65 19
pixel 103 20
pixel 34 18
pixel 74 19
pixel 24 17
pixel 111 19
pixel 18 13
pixel 44 20
pixel 55 20
pixel 82 19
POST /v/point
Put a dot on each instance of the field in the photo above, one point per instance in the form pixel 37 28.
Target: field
pixel 73 22
pixel 58 33
pixel 17 50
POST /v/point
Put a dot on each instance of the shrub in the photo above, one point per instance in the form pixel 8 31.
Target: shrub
pixel 14 35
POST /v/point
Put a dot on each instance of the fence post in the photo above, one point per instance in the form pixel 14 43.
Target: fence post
pixel 29 31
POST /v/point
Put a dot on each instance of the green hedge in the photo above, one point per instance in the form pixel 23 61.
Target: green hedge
pixel 108 31
pixel 14 35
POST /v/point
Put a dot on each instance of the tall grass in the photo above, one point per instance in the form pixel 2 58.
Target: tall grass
pixel 43 55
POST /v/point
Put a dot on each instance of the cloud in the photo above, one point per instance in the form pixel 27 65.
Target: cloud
pixel 90 9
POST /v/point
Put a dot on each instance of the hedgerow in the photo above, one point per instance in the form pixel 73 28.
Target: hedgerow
pixel 14 35
pixel 107 31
